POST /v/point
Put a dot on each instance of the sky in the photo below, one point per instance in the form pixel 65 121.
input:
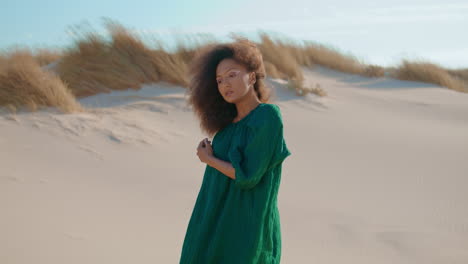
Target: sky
pixel 376 32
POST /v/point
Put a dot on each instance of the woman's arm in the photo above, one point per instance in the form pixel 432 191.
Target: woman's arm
pixel 205 154
pixel 223 166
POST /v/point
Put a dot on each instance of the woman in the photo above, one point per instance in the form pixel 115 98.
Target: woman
pixel 235 218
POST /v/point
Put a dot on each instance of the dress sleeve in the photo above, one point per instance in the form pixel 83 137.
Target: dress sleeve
pixel 264 148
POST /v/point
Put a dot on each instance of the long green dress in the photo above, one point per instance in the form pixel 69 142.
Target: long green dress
pixel 236 221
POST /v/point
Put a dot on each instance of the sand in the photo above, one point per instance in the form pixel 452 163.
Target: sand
pixel 378 174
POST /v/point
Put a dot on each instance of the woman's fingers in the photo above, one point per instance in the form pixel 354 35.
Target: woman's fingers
pixel 200 145
pixel 204 143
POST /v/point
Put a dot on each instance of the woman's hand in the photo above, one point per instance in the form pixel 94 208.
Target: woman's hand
pixel 205 150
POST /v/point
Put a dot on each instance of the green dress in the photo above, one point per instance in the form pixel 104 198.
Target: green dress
pixel 236 221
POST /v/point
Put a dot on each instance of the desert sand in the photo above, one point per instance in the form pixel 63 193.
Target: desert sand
pixel 378 174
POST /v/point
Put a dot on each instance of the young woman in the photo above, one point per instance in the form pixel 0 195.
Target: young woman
pixel 235 218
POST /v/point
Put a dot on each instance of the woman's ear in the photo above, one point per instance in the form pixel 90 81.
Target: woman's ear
pixel 252 78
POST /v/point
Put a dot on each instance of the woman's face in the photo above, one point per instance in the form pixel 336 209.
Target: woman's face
pixel 234 82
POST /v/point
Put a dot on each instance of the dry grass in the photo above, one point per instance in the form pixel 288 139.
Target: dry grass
pixel 46 56
pixel 430 73
pixel 284 62
pixel 317 89
pixel 95 65
pixel 24 83
pixel 460 74
pixel 336 60
pixel 373 71
pixel 284 58
pixel 292 54
pixel 43 56
pixel 272 71
pixel 300 90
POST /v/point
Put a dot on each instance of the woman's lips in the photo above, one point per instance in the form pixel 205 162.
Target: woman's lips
pixel 229 93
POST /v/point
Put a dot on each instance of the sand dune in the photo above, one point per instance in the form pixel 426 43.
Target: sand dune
pixel 378 175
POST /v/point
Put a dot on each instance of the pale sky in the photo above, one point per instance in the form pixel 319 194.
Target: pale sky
pixel 379 32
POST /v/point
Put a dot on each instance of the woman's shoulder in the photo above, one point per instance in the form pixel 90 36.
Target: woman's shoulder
pixel 267 113
pixel 270 110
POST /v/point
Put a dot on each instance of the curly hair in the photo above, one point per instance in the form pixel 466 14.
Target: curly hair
pixel 208 104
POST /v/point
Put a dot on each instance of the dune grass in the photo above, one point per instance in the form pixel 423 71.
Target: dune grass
pixel 461 74
pixel 45 56
pixel 309 54
pixel 94 64
pixel 431 73
pixel 24 83
pixel 284 59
